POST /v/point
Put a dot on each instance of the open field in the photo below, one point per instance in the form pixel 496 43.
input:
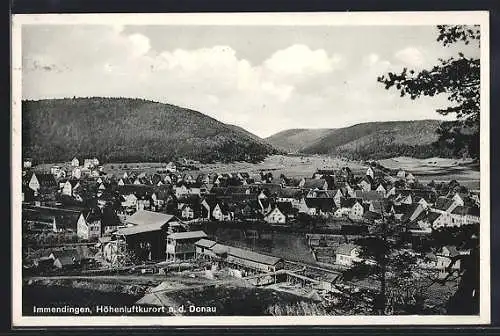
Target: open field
pixel 438 169
pixel 290 165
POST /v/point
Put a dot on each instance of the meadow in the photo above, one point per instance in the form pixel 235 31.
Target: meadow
pixel 438 169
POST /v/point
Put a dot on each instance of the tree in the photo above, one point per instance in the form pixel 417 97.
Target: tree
pixel 459 78
pixel 384 259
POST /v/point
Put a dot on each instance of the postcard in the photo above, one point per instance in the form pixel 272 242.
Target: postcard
pixel 250 169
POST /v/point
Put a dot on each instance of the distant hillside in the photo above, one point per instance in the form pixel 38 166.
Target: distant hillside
pixel 131 130
pixel 244 131
pixel 374 140
pixel 296 140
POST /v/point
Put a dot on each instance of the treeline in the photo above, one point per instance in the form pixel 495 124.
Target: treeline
pixel 374 152
pixel 131 130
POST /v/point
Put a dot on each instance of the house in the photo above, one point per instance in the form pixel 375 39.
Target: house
pixel 420 225
pixel 370 172
pixel 203 248
pixel 366 183
pixel 42 181
pixel 251 210
pixel 146 232
pixel 415 210
pixel 410 178
pixel 354 208
pixel 401 174
pixel 466 215
pixel 55 170
pixel 368 196
pixel 381 190
pixel 292 195
pixel 347 254
pixel 90 228
pixel 446 255
pixel 391 192
pixel 444 204
pixel 171 167
pixel 136 196
pixel 189 211
pixel 27 194
pixel 90 163
pixel 372 216
pixel 320 206
pixel 280 214
pixel 181 245
pixel 186 188
pixel 221 212
pixel 312 183
pixel 349 191
pixel 75 162
pixel 76 172
pixel 245 259
pixel 129 201
pixel 65 259
pixel 439 219
pixel 27 163
pixel 123 181
pixel 69 187
pixel 56 219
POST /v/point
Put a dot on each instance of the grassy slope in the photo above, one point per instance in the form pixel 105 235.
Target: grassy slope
pixel 368 140
pixel 125 130
pixel 295 140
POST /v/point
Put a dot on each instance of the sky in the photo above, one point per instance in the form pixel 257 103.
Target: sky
pixel 263 78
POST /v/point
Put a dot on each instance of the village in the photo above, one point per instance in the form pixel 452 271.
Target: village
pixel 78 219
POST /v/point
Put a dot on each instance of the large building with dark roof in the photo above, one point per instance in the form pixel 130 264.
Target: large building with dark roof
pixel 146 233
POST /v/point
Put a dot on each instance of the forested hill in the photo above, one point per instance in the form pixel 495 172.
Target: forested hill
pixel 131 130
pixel 373 140
pixel 297 139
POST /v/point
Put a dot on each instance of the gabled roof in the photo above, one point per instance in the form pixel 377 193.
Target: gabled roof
pixel 371 195
pixel 136 189
pixel 189 199
pixel 345 249
pixel 326 171
pixel 64 218
pixel 132 230
pixel 464 210
pixel 410 210
pixel 324 204
pixel 370 215
pixel 432 216
pixel 348 202
pixel 144 217
pixel 286 208
pixel 293 181
pixel 452 249
pixel 325 193
pixel 311 183
pixel 66 255
pixel 207 243
pixel 46 180
pixel 380 206
pixel 443 203
pixel 287 192
pixel 271 188
pixel 366 178
pixel 187 235
pixel 235 253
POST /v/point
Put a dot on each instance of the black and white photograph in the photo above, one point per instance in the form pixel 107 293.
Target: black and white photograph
pixel 227 169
